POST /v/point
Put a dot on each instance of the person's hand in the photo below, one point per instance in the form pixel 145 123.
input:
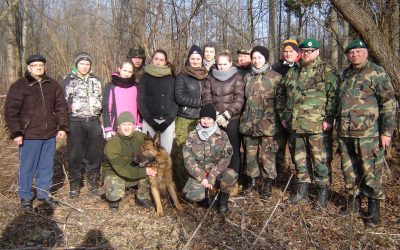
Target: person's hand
pixel 108 135
pixel 61 134
pixel 326 126
pixel 19 140
pixel 223 119
pixel 151 172
pixel 284 124
pixel 385 141
pixel 205 184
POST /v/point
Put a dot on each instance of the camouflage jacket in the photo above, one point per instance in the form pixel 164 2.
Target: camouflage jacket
pixel 119 152
pixel 259 117
pixel 366 102
pixel 307 97
pixel 207 159
pixel 83 96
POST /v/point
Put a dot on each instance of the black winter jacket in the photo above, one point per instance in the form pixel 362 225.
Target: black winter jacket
pixel 156 100
pixel 188 95
pixel 282 68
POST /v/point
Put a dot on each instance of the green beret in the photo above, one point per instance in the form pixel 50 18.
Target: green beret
pixel 356 44
pixel 125 116
pixel 309 43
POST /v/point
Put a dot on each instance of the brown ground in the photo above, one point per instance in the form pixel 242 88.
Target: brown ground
pixel 96 227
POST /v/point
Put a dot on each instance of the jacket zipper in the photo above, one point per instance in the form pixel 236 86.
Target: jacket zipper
pixel 44 103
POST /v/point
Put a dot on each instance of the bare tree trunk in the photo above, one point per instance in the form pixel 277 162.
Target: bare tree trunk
pixel 289 20
pixel 272 30
pixel 334 47
pixel 24 34
pixel 377 42
pixel 250 22
pixel 12 51
pixel 396 27
pixel 345 41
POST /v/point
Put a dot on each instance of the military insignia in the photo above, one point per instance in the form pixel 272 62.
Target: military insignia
pixel 309 43
pixel 361 44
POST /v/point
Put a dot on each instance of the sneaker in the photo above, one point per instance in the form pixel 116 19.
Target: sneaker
pixel 74 194
pixel 146 203
pixel 26 205
pixel 49 202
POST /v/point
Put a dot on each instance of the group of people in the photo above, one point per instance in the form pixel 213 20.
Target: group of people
pixel 212 109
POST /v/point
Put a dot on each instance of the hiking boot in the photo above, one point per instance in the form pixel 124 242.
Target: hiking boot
pixel 146 203
pixel 48 202
pixel 252 185
pixel 223 203
pixel 266 190
pixel 26 205
pixel 373 212
pixel 114 205
pixel 323 195
pixel 302 193
pixel 94 193
pixel 93 185
pixel 353 204
pixel 74 186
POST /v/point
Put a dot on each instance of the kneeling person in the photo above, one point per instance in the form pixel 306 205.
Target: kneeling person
pixel 119 170
pixel 207 154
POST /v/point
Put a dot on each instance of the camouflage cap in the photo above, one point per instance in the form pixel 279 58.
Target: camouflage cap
pixel 356 44
pixel 243 51
pixel 136 51
pixel 309 43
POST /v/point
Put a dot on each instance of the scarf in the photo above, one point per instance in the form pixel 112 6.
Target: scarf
pixel 123 82
pixel 204 133
pixel 157 71
pixel 260 70
pixel 208 64
pixel 224 75
pixel 199 73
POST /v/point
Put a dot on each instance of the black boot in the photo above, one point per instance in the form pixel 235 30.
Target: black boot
pixel 302 193
pixel 49 202
pixel 114 205
pixel 146 203
pixel 223 203
pixel 74 186
pixel 252 185
pixel 266 190
pixel 93 181
pixel 26 205
pixel 373 212
pixel 323 195
pixel 353 204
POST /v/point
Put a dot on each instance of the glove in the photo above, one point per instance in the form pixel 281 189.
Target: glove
pixel 108 135
pixel 223 119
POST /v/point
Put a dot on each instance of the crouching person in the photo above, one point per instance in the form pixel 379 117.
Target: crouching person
pixel 119 170
pixel 207 154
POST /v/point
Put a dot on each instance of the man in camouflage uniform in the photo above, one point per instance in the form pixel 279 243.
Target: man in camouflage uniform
pixel 367 121
pixel 119 170
pixel 258 122
pixel 243 61
pixel 307 106
pixel 207 154
pixel 137 56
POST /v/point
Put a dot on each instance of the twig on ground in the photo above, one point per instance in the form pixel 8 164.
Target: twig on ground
pixel 308 232
pixel 62 202
pixel 273 211
pixel 201 222
pixel 243 228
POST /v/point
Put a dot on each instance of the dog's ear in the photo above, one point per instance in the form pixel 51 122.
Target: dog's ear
pixel 148 136
pixel 156 139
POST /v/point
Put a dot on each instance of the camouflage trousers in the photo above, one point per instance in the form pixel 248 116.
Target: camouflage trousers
pixel 115 187
pixel 226 181
pixel 261 156
pixel 362 166
pixel 183 126
pixel 310 153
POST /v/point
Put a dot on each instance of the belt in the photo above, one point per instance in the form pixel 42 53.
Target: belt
pixel 84 119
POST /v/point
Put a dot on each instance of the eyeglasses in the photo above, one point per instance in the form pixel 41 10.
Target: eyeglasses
pixel 37 65
pixel 307 51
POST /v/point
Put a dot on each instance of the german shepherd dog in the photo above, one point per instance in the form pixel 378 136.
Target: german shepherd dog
pixel 156 157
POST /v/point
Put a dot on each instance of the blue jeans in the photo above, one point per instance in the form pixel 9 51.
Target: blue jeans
pixel 36 161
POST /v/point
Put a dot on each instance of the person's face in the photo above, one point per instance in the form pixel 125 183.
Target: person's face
pixel 308 55
pixel 126 71
pixel 357 57
pixel 258 60
pixel 126 128
pixel 244 60
pixel 37 69
pixel 159 59
pixel 289 54
pixel 137 61
pixel 83 67
pixel 223 63
pixel 195 61
pixel 206 122
pixel 209 53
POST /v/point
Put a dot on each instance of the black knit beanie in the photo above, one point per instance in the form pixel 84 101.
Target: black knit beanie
pixel 195 50
pixel 208 110
pixel 83 56
pixel 262 50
